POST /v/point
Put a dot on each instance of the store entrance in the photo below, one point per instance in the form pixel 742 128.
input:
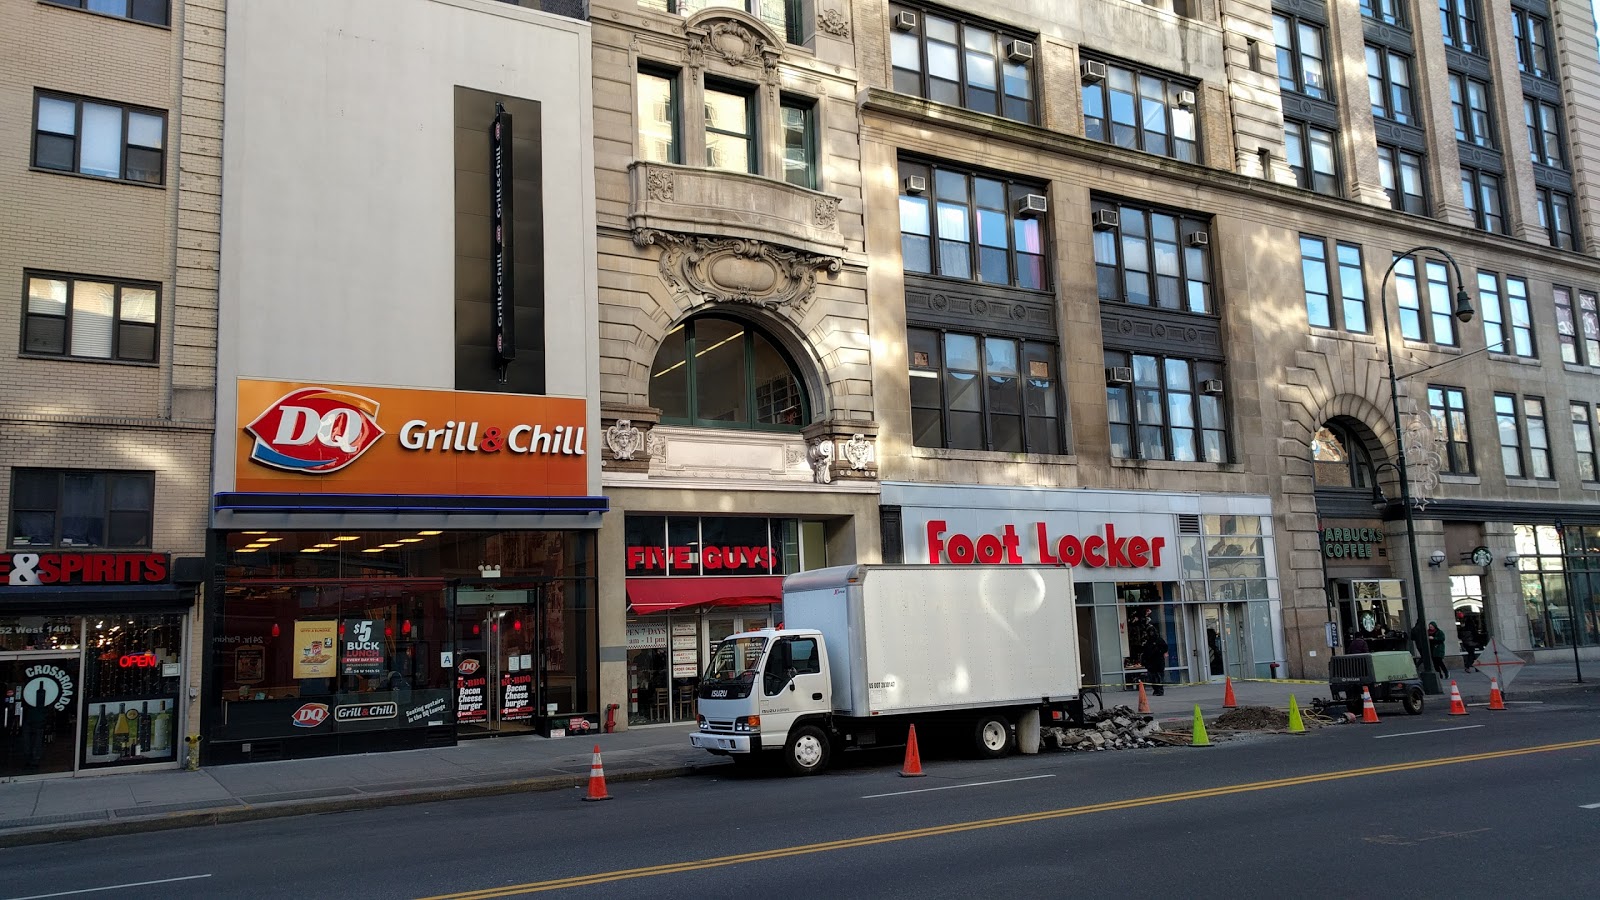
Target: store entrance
pixel 499 683
pixel 1224 651
pixel 39 719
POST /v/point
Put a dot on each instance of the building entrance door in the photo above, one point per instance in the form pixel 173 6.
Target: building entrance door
pixel 498 678
pixel 39 718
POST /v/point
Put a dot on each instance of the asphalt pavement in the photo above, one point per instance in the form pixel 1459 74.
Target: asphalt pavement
pixel 57 809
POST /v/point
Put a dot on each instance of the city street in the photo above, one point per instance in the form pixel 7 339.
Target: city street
pixel 1492 803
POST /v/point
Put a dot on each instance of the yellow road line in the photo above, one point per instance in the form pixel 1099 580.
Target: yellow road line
pixel 1002 821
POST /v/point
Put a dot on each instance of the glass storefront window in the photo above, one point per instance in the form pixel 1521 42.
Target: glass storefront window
pixel 131 676
pixel 39 632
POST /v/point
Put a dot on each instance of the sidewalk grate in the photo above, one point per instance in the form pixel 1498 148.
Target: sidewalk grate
pixel 160 808
pixel 62 819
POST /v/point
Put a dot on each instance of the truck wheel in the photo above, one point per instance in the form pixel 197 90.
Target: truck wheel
pixel 992 737
pixel 807 751
pixel 1413 701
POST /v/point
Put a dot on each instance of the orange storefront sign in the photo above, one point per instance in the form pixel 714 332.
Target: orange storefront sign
pixel 342 439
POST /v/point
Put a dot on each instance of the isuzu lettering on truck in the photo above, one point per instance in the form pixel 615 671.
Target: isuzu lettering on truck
pixel 983 653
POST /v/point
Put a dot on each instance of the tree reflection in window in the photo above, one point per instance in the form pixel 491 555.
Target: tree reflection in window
pixel 719 372
pixel 1340 458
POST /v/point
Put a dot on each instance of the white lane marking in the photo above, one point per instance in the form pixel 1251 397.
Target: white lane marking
pixel 951 787
pixel 1431 731
pixel 113 887
pixel 1590 806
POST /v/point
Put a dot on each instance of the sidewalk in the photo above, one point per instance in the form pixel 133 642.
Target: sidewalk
pixel 57 809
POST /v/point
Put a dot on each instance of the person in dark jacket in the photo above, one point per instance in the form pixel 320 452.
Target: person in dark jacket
pixel 1153 656
pixel 1436 649
pixel 1358 644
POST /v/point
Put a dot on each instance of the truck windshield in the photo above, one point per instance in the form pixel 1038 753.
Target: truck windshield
pixel 733 668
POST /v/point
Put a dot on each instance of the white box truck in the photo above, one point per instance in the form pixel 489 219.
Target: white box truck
pixel 867 651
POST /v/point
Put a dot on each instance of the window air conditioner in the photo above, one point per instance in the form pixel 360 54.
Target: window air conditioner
pixel 1119 375
pixel 1105 219
pixel 1199 239
pixel 1032 205
pixel 1094 71
pixel 905 20
pixel 1211 386
pixel 1019 51
pixel 915 184
pixel 1186 99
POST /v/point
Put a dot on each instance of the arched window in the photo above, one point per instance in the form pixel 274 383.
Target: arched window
pixel 719 372
pixel 1340 458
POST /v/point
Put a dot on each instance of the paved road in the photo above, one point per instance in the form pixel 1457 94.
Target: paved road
pixel 1493 807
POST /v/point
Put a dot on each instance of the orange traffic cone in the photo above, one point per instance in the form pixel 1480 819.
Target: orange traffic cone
pixel 1496 701
pixel 597 778
pixel 1457 708
pixel 1369 713
pixel 1144 700
pixel 1228 702
pixel 913 766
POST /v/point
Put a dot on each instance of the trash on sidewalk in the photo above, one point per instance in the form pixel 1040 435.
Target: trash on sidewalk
pixel 1118 728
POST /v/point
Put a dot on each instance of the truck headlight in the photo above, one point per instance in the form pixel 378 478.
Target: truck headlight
pixel 747 724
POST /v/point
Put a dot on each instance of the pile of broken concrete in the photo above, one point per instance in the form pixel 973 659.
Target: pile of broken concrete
pixel 1118 728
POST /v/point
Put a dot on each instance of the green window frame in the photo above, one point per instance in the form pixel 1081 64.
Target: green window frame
pixel 716 371
pixel 798 119
pixel 660 114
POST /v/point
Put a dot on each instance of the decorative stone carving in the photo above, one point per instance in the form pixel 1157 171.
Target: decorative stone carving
pixel 858 452
pixel 825 212
pixel 833 22
pixel 820 455
pixel 794 455
pixel 656 445
pixel 624 439
pixel 733 42
pixel 1424 459
pixel 659 185
pixel 737 270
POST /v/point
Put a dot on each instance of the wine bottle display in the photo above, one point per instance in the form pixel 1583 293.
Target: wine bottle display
pixel 161 731
pixel 144 727
pixel 100 744
pixel 120 731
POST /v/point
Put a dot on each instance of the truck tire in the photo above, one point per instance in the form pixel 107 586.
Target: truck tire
pixel 807 751
pixel 992 736
pixel 1413 701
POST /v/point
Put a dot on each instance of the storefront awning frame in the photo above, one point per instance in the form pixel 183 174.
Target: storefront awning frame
pixel 654 596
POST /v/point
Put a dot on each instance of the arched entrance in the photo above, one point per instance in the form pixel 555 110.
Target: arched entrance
pixel 1365 600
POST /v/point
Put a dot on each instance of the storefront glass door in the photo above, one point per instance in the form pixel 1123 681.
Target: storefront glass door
pixel 498 688
pixel 39 719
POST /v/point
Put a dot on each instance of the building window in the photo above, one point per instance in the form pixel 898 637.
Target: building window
pixel 1449 408
pixel 1459 21
pixel 1505 420
pixel 1436 322
pixel 1151 257
pixel 1517 340
pixel 1481 191
pixel 1538 438
pixel 799 121
pixel 1319 277
pixel 1391 12
pixel 658 118
pixel 1389 85
pixel 81 508
pixel 105 140
pixel 1555 217
pixel 1580 342
pixel 730 129
pixel 1531 34
pixel 1400 173
pixel 975 227
pixel 1469 104
pixel 1545 142
pixel 1302 61
pixel 982 392
pixel 153 12
pixel 961 62
pixel 1142 111
pixel 1312 157
pixel 718 372
pixel 1583 441
pixel 1165 407
pixel 90 318
pixel 782 16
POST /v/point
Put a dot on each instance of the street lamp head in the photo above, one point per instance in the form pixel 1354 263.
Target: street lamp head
pixel 1379 501
pixel 1463 305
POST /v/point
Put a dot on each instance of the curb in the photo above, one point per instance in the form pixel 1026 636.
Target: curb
pixel 50 834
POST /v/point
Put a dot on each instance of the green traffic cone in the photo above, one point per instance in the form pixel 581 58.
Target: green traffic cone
pixel 1295 725
pixel 1200 739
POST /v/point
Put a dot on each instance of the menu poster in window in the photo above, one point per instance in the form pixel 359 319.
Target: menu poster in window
pixel 646 635
pixel 516 696
pixel 684 670
pixel 472 688
pixel 313 648
pixel 361 647
pixel 249 665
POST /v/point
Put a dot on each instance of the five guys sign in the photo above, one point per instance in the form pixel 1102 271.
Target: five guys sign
pixel 501 283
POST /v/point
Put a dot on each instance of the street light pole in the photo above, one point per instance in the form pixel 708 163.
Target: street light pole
pixel 1463 312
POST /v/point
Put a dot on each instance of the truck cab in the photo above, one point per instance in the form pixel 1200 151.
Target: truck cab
pixel 758 691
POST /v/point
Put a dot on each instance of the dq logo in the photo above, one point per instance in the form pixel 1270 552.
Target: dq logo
pixel 315 431
pixel 311 715
pixel 467 666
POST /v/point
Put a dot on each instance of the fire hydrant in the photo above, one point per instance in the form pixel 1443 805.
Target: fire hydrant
pixel 194 752
pixel 1274 668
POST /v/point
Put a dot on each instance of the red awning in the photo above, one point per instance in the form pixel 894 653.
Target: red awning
pixel 649 596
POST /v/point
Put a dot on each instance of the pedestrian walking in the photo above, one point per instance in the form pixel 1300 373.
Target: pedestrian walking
pixel 1469 653
pixel 1436 649
pixel 1153 656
